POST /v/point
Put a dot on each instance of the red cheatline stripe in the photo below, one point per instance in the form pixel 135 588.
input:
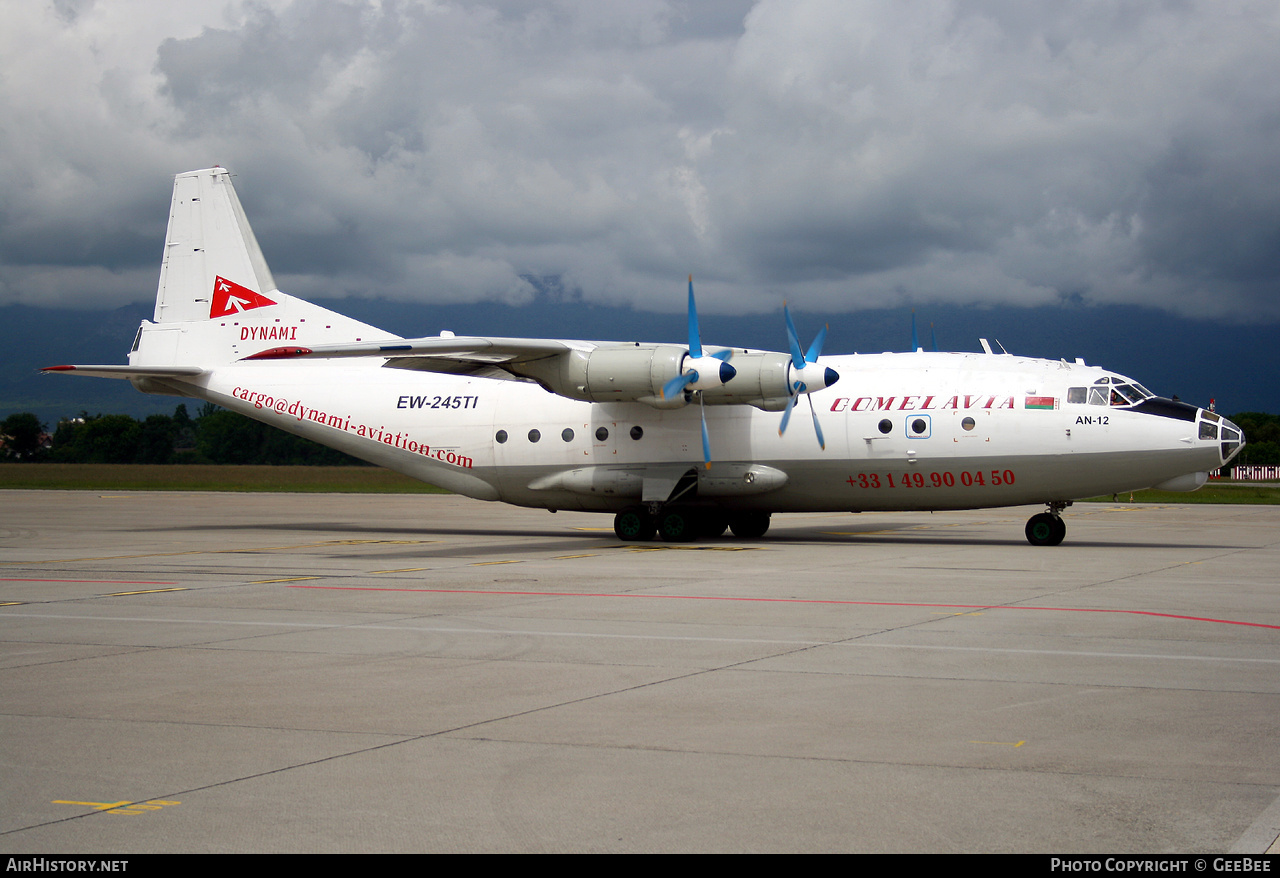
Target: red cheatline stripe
pixel 694 597
pixel 96 581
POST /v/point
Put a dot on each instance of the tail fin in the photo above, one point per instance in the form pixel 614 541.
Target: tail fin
pixel 209 237
pixel 217 301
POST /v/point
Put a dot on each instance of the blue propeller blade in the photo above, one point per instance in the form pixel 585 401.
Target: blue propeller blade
pixel 822 443
pixel 706 440
pixel 786 415
pixel 793 339
pixel 695 340
pixel 678 384
pixel 815 349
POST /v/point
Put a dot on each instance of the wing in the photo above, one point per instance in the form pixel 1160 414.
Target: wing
pixel 481 357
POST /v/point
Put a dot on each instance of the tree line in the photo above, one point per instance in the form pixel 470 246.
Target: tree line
pixel 214 435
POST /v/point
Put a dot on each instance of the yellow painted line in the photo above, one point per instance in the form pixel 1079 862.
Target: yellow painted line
pixel 10 603
pixel 129 809
pixel 490 563
pixel 120 594
pixel 571 557
pixel 1001 743
pixel 401 570
pixel 602 529
pixel 291 579
pixel 98 806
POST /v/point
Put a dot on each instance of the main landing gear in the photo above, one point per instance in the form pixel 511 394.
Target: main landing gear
pixel 683 524
pixel 1047 528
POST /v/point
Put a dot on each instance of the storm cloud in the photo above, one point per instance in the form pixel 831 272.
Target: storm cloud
pixel 845 155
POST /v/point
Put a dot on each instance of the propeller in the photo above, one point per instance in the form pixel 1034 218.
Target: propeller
pixel 804 375
pixel 699 371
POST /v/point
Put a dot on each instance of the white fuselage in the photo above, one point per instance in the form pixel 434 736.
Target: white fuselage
pixel 903 431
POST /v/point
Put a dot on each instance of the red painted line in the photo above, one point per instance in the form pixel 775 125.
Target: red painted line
pixel 95 581
pixel 692 597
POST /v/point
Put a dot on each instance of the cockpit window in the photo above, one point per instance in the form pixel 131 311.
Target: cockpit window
pixel 1077 394
pixel 1097 396
pixel 1124 394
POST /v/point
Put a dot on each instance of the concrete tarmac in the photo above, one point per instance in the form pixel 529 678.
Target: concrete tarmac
pixel 231 672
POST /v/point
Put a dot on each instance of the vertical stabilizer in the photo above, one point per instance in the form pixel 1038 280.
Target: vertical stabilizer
pixel 208 238
pixel 217 301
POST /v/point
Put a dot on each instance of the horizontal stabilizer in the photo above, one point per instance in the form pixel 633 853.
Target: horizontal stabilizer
pixel 129 371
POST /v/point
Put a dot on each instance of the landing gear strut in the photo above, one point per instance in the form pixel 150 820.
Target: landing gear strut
pixel 1047 528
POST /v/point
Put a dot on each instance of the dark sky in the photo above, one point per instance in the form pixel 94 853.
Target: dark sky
pixel 1098 179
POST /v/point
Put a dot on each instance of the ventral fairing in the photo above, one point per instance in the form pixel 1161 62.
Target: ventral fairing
pixel 679 440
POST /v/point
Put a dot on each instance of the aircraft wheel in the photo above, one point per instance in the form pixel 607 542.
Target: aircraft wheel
pixel 713 525
pixel 1045 529
pixel 634 525
pixel 750 525
pixel 677 526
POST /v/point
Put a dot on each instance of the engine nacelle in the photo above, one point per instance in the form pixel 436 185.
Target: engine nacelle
pixel 622 373
pixel 637 373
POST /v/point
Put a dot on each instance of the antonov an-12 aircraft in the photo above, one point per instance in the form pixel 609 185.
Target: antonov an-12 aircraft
pixel 673 439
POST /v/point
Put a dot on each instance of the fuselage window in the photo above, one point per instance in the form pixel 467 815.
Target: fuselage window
pixel 567 434
pixel 602 433
pixel 501 436
pixel 886 425
pixel 534 435
pixel 637 431
pixel 968 423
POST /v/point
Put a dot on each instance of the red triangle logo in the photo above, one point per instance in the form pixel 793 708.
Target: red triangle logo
pixel 230 298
